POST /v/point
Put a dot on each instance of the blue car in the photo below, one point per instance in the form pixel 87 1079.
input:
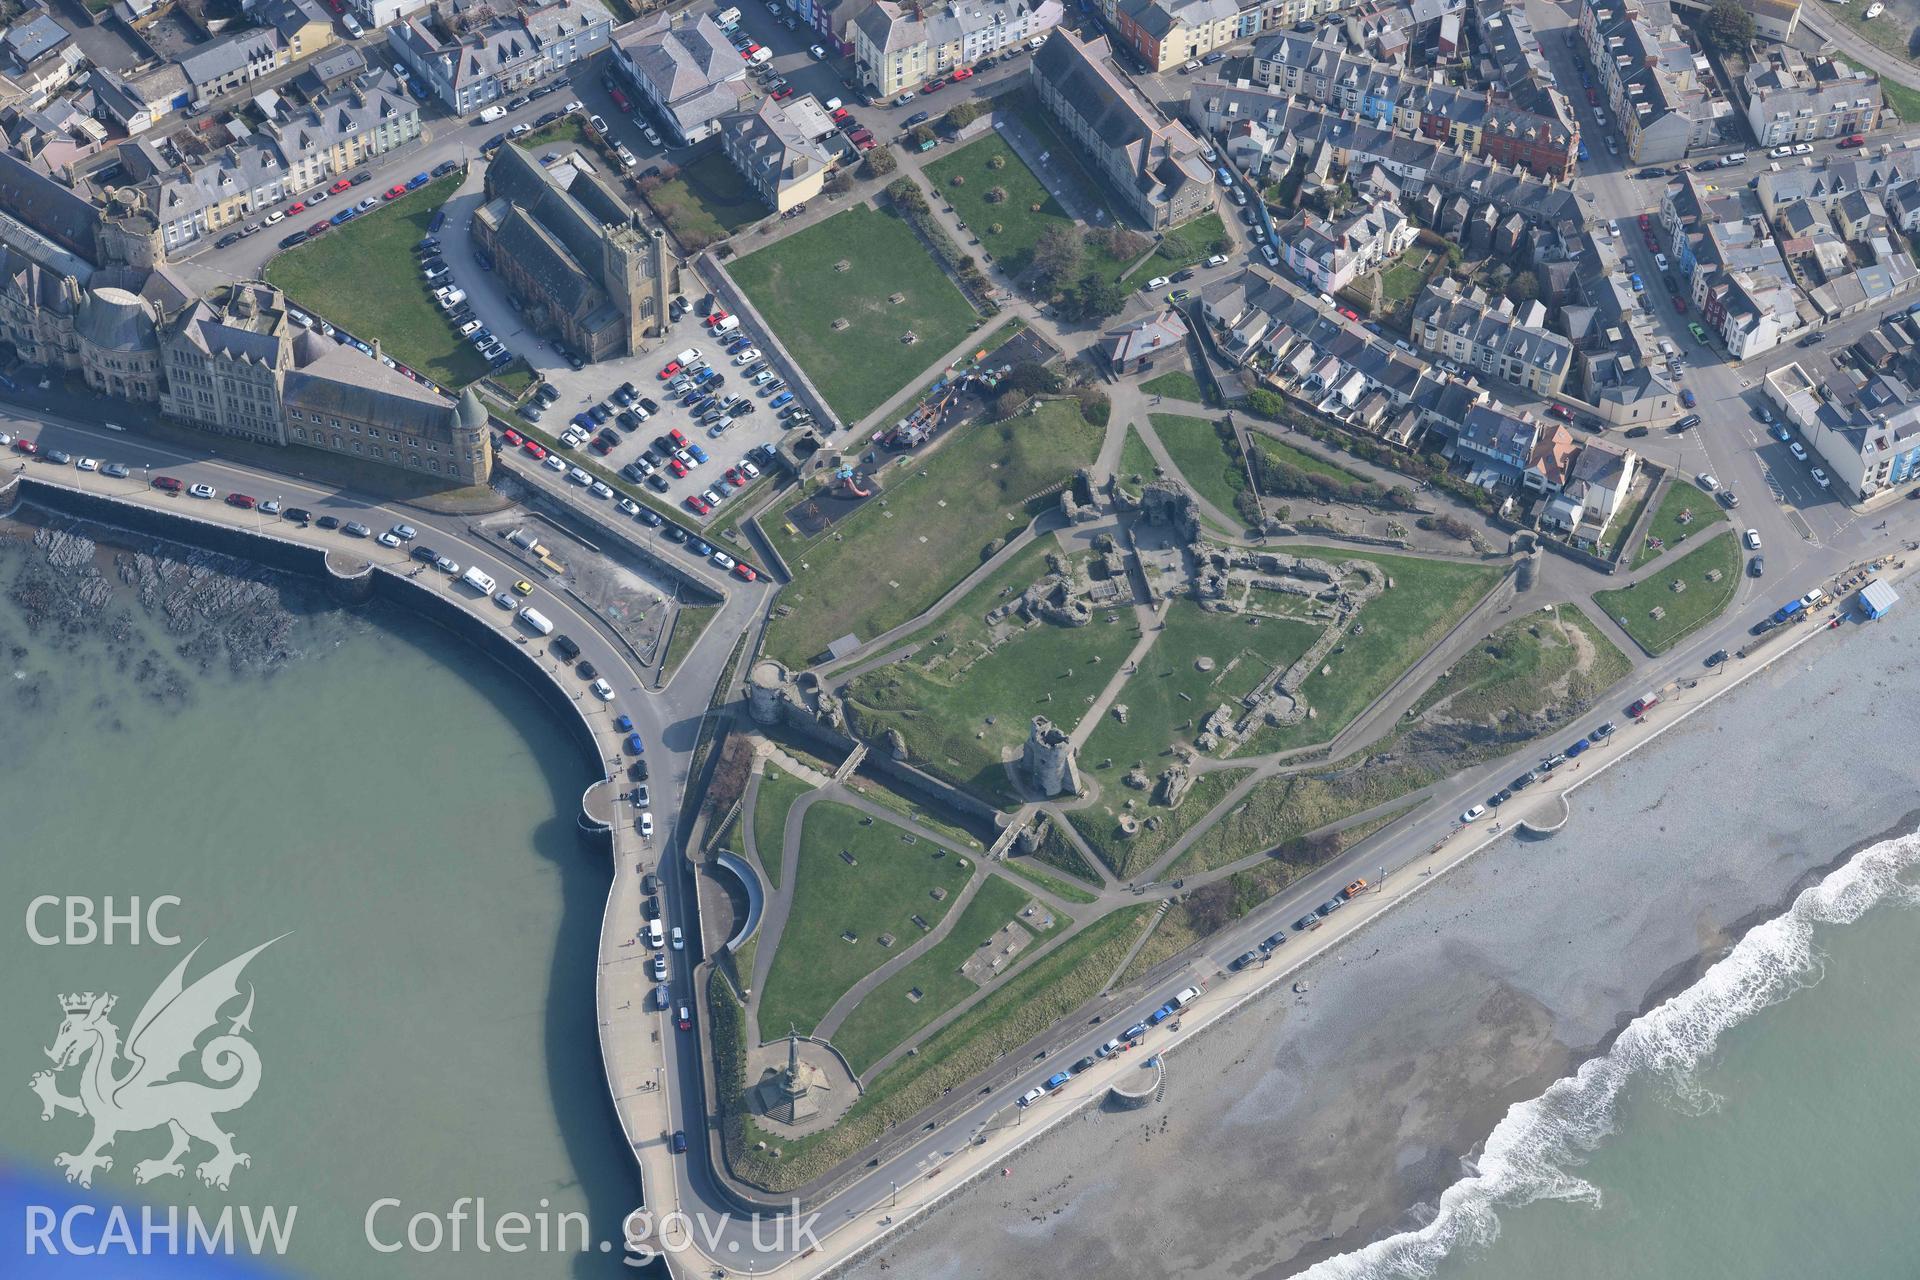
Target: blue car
pixel 695 452
pixel 784 398
pixel 649 517
pixel 1638 287
pixel 634 745
pixel 345 215
pixel 623 723
pixel 1134 1032
pixel 1159 1015
pixel 703 377
pixel 438 221
pixel 734 349
pixel 1057 1079
pixel 418 181
pixel 699 548
pixel 585 422
pixel 1578 747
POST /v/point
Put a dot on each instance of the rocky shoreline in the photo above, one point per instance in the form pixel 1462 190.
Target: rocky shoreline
pixel 161 612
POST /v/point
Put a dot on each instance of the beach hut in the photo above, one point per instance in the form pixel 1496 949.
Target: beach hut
pixel 1876 598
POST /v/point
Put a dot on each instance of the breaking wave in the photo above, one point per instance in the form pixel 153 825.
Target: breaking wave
pixel 1532 1153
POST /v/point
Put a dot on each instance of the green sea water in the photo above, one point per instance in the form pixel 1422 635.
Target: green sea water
pixel 1792 1150
pixel 396 813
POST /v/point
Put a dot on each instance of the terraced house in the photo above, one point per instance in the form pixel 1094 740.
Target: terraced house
pixel 1791 99
pixel 1492 335
pixel 1165 34
pixel 900 46
pixel 688 72
pixel 1154 165
pixel 1330 253
pixel 1655 84
pixel 775 151
pixel 474 52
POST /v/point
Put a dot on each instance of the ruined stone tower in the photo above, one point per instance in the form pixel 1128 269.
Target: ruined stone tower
pixel 1048 759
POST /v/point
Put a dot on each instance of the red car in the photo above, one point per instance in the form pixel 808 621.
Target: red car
pixel 679 441
pixel 696 504
pixel 716 318
pixel 619 100
pixel 931 85
pixel 298 206
pixel 240 500
pixel 1560 411
pixel 745 573
pixel 1643 221
pixel 676 466
pixel 964 73
pixel 341 185
pixel 25 446
pixel 513 438
pixel 1349 313
pixel 867 143
pixel 1679 304
pixel 167 484
pixel 394 193
pixel 750 50
pixel 535 450
pixel 841 113
pixel 320 227
pixel 734 477
pixel 783 92
pixel 1855 140
pixel 673 367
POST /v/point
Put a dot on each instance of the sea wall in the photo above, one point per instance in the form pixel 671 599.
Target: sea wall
pixel 265 548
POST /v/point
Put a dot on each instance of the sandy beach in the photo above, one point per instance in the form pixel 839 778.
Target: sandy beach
pixel 1311 1124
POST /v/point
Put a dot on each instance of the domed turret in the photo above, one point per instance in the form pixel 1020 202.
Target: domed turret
pixel 470 413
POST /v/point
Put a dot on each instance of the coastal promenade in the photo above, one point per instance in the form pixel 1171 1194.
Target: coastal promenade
pixel 638 1038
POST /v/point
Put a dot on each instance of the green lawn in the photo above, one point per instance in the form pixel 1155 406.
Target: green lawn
pixel 1168 696
pixel 778 791
pixel 1402 279
pixel 1685 512
pixel 707 201
pixel 893 882
pixel 1179 384
pixel 794 284
pixel 1312 464
pixel 888 1016
pixel 1020 223
pixel 1904 101
pixel 1685 610
pixel 689 624
pixel 899 553
pixel 1053 884
pixel 1203 459
pixel 1136 460
pixel 1192 243
pixel 1531 677
pixel 1889 33
pixel 569 130
pixel 364 278
pixel 1033 999
pixel 1099 823
pixel 963 702
pixel 1060 853
pixel 1398 628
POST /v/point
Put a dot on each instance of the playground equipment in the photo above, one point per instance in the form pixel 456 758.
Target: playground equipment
pixel 848 480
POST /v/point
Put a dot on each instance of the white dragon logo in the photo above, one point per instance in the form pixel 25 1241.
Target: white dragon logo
pixel 147 1096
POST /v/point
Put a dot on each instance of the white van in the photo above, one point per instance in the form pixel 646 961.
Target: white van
pixel 726 326
pixel 656 934
pixel 478 581
pixel 1737 157
pixel 491 114
pixel 727 17
pixel 1185 998
pixel 688 356
pixel 534 620
pixel 761 57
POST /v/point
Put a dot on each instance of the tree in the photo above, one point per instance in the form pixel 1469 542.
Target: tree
pixel 1031 378
pixel 906 194
pixel 879 163
pixel 1094 298
pixel 1728 26
pixel 962 114
pixel 838 183
pixel 921 134
pixel 1524 287
pixel 1056 257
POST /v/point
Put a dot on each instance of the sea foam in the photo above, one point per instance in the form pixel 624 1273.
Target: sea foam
pixel 1532 1153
